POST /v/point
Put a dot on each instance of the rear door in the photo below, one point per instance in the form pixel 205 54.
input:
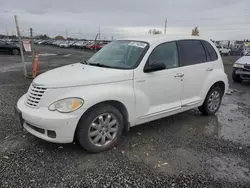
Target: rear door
pixel 195 67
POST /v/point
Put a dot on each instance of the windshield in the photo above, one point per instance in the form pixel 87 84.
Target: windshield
pixel 121 54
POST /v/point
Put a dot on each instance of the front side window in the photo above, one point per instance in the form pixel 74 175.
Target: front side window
pixel 165 53
pixel 120 54
pixel 191 52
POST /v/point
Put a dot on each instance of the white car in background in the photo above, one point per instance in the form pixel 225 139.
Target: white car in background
pixel 223 50
pixel 127 83
pixel 79 44
pixel 64 44
pixel 241 69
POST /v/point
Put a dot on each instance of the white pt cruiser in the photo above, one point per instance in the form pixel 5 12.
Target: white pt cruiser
pixel 127 83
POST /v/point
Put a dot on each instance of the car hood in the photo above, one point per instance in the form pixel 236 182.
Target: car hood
pixel 244 60
pixel 80 74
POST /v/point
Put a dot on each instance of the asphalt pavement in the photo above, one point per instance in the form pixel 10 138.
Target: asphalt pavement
pixel 184 150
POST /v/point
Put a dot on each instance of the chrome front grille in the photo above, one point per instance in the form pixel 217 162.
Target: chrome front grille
pixel 34 95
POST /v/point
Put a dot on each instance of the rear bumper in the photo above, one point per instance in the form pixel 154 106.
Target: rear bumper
pixel 41 122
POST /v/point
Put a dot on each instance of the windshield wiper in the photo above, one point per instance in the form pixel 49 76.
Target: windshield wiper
pixel 99 65
pixel 84 62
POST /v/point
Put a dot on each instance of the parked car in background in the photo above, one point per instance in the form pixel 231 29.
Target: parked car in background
pixel 83 45
pixel 71 44
pixel 64 44
pixel 90 45
pixel 241 69
pixel 245 51
pixel 224 50
pixel 79 44
pixel 58 42
pixel 97 46
pixel 8 47
pixel 127 83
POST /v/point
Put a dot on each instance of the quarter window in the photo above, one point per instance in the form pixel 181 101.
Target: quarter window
pixel 211 53
pixel 191 52
pixel 165 53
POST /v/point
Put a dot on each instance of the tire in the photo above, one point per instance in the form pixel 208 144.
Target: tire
pixel 15 51
pixel 236 77
pixel 92 123
pixel 229 53
pixel 206 108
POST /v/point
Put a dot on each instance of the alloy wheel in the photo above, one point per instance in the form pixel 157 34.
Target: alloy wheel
pixel 103 129
pixel 214 101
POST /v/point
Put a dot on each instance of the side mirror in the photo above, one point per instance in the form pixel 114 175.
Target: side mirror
pixel 156 66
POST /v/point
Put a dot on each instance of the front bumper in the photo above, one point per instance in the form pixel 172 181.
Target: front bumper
pixel 244 74
pixel 41 123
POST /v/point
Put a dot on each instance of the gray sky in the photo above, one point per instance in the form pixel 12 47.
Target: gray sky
pixel 217 19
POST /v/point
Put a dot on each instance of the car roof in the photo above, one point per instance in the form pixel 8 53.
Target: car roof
pixel 151 39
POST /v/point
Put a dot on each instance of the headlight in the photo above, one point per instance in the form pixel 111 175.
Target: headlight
pixel 237 65
pixel 66 105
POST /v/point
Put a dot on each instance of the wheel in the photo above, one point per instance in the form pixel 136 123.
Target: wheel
pixel 236 77
pixel 15 51
pixel 100 129
pixel 229 53
pixel 212 102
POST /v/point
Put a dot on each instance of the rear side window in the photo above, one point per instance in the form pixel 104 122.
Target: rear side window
pixel 211 53
pixel 191 52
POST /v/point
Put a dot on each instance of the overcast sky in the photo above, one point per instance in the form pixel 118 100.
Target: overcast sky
pixel 217 19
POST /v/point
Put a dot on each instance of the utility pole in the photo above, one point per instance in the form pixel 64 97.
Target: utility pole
pixel 66 33
pixel 99 32
pixel 95 41
pixel 165 28
pixel 21 45
pixel 32 43
pixel 7 33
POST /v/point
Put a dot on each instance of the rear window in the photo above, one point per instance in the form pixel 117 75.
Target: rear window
pixel 211 53
pixel 191 52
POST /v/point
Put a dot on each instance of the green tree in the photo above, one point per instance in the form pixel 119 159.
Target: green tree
pixel 195 31
pixel 154 32
pixel 43 37
pixel 59 37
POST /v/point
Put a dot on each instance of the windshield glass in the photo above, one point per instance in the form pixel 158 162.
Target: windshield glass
pixel 121 54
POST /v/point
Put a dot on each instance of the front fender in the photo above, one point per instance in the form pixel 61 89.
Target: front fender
pixel 93 94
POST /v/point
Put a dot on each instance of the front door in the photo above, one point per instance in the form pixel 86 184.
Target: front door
pixel 159 92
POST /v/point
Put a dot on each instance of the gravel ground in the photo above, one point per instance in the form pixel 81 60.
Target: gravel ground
pixel 184 150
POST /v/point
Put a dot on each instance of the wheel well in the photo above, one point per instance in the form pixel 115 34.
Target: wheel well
pixel 221 85
pixel 120 106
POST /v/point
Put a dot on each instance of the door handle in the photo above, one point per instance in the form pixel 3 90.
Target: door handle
pixel 179 75
pixel 209 69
